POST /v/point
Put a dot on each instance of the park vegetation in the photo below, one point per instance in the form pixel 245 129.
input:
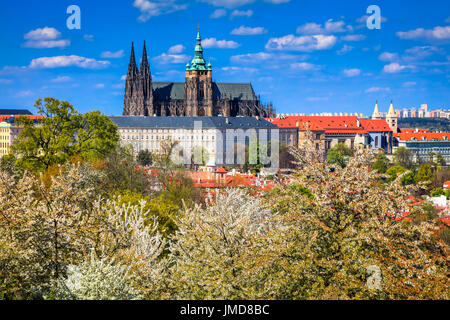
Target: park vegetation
pixel 92 224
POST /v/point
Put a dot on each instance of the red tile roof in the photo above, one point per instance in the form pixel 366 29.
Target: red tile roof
pixel 424 136
pixel 373 125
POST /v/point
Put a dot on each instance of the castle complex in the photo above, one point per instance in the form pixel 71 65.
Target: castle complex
pixel 197 96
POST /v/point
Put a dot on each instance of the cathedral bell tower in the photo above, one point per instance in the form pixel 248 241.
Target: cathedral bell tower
pixel 198 86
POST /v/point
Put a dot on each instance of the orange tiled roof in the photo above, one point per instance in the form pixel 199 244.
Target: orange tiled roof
pixel 422 136
pixel 375 125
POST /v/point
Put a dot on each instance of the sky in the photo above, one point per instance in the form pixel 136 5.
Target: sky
pixel 303 56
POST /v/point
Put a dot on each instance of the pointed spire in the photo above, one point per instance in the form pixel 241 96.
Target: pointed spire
pixel 132 56
pixel 144 61
pixel 376 112
pixel 198 63
pixel 391 112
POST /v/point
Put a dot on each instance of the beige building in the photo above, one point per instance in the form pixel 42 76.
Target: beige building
pixel 9 132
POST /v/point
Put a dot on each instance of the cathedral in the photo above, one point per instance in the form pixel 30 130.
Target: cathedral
pixel 197 96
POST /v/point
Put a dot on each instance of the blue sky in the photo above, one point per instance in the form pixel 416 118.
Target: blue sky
pixel 304 56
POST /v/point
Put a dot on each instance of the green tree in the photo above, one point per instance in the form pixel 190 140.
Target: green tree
pixel 145 158
pixel 395 171
pixel 339 154
pixel 381 163
pixel 122 172
pixel 200 156
pixel 404 157
pixel 425 173
pixel 62 134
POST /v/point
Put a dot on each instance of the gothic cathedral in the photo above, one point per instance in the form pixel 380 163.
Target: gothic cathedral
pixel 197 96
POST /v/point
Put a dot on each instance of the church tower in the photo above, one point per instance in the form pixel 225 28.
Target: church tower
pixel 392 118
pixel 376 113
pixel 131 87
pixel 198 86
pixel 146 87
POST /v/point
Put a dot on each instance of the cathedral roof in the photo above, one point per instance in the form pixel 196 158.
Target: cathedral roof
pixel 232 91
pixel 14 112
pixel 189 122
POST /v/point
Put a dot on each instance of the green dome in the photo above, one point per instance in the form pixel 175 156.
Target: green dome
pixel 198 63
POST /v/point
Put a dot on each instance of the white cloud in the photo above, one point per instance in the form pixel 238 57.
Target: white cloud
pixel 61 79
pixel 124 77
pixel 230 4
pixel 238 13
pixel 234 70
pixel 251 57
pixel 351 72
pixel 221 44
pixel 277 1
pixel 179 48
pixel 329 28
pixel 100 86
pixel 156 8
pixel 345 49
pixel 437 33
pixel 376 89
pixel 420 53
pixel 46 44
pixel 388 56
pixel 303 43
pixel 353 37
pixel 43 38
pixel 113 55
pixel 394 68
pixel 166 58
pixel 68 61
pixel 248 31
pixel 218 13
pixel 45 33
pixel 304 66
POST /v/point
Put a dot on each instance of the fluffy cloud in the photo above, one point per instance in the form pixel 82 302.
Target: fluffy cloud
pixel 44 38
pixel 171 58
pixel 156 8
pixel 409 84
pixel 388 56
pixel 221 44
pixel 394 68
pixel 234 70
pixel 238 13
pixel 88 37
pixel 351 72
pixel 218 14
pixel 304 66
pixel 113 55
pixel 45 33
pixel 303 43
pixel 248 31
pixel 345 49
pixel 67 61
pixel 261 57
pixel 329 28
pixel 437 33
pixel 376 89
pixel 353 37
pixel 179 48
pixel 230 4
pixel 422 52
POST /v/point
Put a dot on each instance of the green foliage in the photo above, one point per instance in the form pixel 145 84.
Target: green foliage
pixel 122 172
pixel 381 163
pixel 145 158
pixel 339 154
pixel 434 125
pixel 437 192
pixel 62 134
pixel 395 171
pixel 425 173
pixel 404 157
pixel 200 156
